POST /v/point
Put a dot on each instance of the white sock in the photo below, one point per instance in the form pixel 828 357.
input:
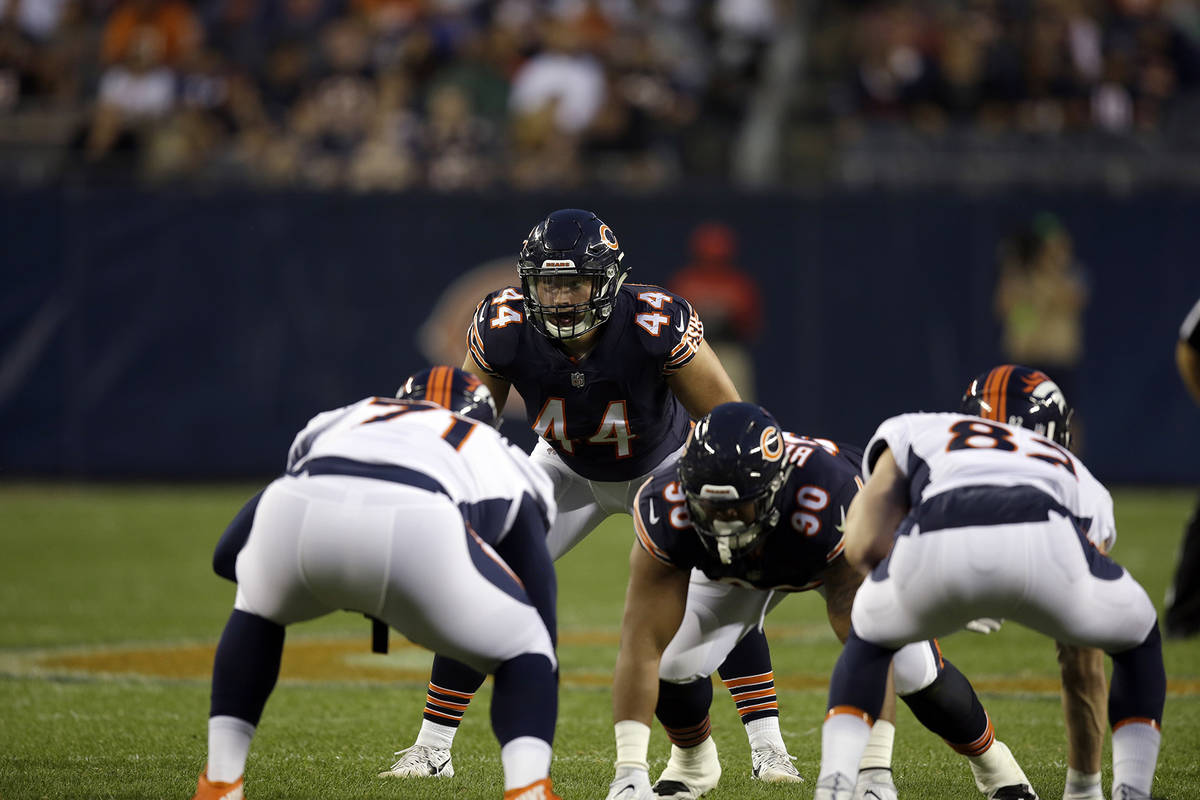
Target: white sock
pixel 996 767
pixel 1082 785
pixel 765 733
pixel 878 752
pixel 228 745
pixel 526 759
pixel 435 735
pixel 843 739
pixel 1135 753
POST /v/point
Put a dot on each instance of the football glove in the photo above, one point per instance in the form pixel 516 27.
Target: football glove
pixel 984 625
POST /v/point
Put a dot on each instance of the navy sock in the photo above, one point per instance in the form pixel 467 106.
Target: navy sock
pixel 860 676
pixel 451 686
pixel 1139 681
pixel 749 678
pixel 525 700
pixel 683 710
pixel 950 708
pixel 246 666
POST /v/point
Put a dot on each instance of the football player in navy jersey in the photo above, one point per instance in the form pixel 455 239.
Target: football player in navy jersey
pixel 760 513
pixel 612 375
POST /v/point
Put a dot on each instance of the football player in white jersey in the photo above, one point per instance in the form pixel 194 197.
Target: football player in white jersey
pixel 1084 686
pixel 965 517
pixel 415 511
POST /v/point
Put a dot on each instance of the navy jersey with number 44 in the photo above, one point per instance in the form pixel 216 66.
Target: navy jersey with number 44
pixel 808 536
pixel 610 415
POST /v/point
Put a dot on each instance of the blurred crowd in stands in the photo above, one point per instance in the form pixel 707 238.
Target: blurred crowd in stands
pixel 528 94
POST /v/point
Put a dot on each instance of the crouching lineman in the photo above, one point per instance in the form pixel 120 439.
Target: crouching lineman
pixel 375 495
pixel 964 516
pixel 758 513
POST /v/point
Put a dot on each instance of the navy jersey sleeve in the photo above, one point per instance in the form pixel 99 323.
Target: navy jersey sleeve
pixel 824 480
pixel 494 335
pixel 1190 330
pixel 661 522
pixel 668 328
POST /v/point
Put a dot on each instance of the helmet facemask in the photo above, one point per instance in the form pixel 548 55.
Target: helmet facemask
pixel 732 527
pixel 565 302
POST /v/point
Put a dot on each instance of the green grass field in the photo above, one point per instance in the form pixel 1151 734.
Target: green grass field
pixel 109 612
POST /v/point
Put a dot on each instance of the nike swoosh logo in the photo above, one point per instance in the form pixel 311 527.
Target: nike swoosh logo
pixel 629 787
pixel 652 516
pixel 841 526
pixel 681 327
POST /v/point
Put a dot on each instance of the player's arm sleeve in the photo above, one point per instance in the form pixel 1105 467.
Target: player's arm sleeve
pixel 234 539
pixel 648 534
pixel 492 341
pixel 304 440
pixel 684 336
pixel 1097 508
pixel 523 548
pixel 892 434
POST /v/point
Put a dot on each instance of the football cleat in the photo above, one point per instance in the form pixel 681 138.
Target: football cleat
pixel 420 761
pixel 690 773
pixel 875 783
pixel 211 790
pixel 835 787
pixel 773 766
pixel 538 790
pixel 1127 792
pixel 1001 773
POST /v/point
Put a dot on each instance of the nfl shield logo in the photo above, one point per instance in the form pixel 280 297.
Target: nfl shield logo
pixel 577 380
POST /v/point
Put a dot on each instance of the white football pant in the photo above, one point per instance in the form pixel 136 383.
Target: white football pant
pixel 401 554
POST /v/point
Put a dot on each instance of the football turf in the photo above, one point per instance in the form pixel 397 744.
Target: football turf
pixel 109 613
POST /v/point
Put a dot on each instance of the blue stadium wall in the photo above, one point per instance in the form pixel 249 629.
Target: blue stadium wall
pixel 190 334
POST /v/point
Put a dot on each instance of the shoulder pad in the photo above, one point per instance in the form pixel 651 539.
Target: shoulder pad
pixel 493 337
pixel 667 326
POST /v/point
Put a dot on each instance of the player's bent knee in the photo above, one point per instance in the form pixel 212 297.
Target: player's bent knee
pixel 914 667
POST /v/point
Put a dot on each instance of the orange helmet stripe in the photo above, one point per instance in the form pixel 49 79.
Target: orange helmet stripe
pixel 436 391
pixel 987 406
pixel 993 393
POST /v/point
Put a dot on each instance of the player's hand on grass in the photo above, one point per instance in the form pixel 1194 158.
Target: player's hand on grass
pixel 631 783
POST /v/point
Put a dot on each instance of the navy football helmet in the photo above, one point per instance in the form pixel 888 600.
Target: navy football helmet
pixel 453 389
pixel 571 269
pixel 731 474
pixel 1021 396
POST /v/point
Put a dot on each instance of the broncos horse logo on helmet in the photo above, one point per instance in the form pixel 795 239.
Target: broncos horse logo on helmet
pixel 1020 396
pixel 571 270
pixel 454 389
pixel 731 474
